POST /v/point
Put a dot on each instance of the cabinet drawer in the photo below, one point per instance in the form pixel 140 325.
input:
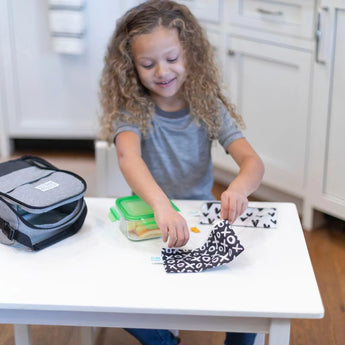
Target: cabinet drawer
pixel 293 17
pixel 208 10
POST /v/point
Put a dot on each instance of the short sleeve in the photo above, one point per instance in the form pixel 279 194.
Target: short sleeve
pixel 228 131
pixel 125 127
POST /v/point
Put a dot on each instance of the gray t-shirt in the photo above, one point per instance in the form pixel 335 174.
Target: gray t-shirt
pixel 177 151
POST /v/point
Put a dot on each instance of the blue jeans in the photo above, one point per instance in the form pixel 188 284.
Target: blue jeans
pixel 153 336
pixel 239 338
pixel 165 337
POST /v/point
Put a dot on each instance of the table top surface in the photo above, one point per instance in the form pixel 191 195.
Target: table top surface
pixel 99 269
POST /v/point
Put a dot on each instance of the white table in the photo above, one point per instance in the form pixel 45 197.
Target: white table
pixel 100 278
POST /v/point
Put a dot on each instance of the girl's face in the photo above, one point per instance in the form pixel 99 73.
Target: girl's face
pixel 159 60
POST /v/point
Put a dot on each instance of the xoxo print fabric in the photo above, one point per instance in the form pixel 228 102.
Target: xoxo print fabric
pixel 221 247
pixel 255 217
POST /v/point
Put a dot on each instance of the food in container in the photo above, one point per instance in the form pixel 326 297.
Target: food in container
pixel 136 218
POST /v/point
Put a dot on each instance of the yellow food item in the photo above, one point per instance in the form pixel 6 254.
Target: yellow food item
pixel 139 229
pixel 150 233
pixel 142 231
pixel 194 229
pixel 131 226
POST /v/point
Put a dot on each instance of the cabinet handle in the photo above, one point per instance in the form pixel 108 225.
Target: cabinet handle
pixel 231 52
pixel 270 13
pixel 318 35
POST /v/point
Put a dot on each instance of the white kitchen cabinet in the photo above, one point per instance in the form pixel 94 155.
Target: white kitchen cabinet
pixel 293 107
pixel 267 67
pixel 46 94
pixel 269 84
pixel 326 184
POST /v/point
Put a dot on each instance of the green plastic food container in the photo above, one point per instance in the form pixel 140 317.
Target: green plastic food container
pixel 136 218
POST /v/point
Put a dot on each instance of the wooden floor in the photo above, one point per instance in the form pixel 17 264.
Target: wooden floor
pixel 326 247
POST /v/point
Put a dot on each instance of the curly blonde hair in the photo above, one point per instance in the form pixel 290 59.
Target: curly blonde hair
pixel 121 90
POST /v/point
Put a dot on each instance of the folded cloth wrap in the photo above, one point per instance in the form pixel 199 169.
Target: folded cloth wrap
pixel 265 217
pixel 221 247
pixel 254 217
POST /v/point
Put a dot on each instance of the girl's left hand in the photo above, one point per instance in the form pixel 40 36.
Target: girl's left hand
pixel 233 204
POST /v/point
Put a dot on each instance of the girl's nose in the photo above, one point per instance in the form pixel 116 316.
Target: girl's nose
pixel 160 70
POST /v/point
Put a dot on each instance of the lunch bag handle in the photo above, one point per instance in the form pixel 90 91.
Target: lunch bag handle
pixel 38 161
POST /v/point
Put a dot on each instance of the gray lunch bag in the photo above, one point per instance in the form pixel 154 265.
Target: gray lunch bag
pixel 39 203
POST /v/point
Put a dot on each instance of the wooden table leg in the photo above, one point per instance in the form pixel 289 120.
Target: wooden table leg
pixel 22 335
pixel 279 332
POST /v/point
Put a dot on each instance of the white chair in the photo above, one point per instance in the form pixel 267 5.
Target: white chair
pixel 110 181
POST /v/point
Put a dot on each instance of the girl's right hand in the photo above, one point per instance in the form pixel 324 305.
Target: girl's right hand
pixel 173 226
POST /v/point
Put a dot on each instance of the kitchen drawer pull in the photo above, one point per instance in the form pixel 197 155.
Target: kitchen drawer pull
pixel 318 35
pixel 231 52
pixel 270 13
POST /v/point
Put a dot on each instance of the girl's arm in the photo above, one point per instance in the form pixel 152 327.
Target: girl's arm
pixel 234 200
pixel 138 176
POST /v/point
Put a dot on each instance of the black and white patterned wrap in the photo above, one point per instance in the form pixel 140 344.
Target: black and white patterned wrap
pixel 256 217
pixel 253 217
pixel 221 247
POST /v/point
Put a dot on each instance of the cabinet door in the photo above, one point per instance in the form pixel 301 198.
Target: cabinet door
pixel 327 165
pixel 50 94
pixel 269 84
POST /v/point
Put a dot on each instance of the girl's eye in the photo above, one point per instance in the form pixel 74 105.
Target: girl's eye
pixel 148 66
pixel 172 60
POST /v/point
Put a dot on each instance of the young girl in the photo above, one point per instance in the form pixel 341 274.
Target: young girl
pixel 163 107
